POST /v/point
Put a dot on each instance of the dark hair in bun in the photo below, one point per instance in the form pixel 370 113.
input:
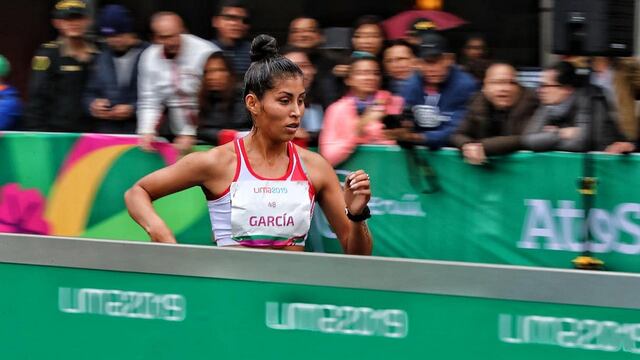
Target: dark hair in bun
pixel 267 66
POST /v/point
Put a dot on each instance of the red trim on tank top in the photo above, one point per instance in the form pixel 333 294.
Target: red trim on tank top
pixel 300 172
pixel 236 175
pixel 248 165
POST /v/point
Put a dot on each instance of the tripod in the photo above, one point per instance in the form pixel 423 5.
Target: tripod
pixel 587 184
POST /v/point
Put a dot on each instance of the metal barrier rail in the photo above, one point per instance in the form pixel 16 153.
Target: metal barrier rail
pixel 576 287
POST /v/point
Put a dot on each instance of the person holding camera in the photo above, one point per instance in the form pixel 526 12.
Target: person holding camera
pixel 436 98
pixel 112 89
pixel 358 117
pixel 574 116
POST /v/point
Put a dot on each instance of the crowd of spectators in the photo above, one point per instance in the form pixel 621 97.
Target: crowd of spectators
pixel 410 91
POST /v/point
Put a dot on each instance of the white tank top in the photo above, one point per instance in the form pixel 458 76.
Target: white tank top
pixel 285 219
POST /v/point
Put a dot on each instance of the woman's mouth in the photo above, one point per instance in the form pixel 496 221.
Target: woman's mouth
pixel 292 128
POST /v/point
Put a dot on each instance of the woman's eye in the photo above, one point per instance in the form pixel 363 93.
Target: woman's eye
pixel 284 101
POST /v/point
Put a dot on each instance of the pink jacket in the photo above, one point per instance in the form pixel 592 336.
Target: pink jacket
pixel 339 138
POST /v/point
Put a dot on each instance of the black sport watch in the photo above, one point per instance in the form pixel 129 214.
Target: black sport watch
pixel 366 213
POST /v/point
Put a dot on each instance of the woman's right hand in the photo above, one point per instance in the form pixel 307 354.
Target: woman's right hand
pixel 373 113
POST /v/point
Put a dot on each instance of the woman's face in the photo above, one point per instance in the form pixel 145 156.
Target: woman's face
pixel 364 77
pixel 278 113
pixel 475 48
pixel 308 70
pixel 368 38
pixel 216 75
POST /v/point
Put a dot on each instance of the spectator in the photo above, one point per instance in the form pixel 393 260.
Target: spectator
pixel 496 117
pixel 304 34
pixel 357 118
pixel 221 103
pixel 111 93
pixel 169 79
pixel 475 47
pixel 437 97
pixel 311 122
pixel 59 74
pixel 10 105
pixel 620 79
pixel 368 36
pixel 474 56
pixel 399 65
pixel 232 25
pixel 571 114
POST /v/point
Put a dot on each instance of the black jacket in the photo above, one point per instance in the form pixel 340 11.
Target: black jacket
pixel 103 84
pixel 483 125
pixel 588 110
pixel 55 91
pixel 217 115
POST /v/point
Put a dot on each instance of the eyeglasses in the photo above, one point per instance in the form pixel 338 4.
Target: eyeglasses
pixel 367 36
pixel 502 82
pixel 231 17
pixel 545 86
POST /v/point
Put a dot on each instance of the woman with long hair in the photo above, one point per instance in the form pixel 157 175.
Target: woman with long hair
pixel 220 102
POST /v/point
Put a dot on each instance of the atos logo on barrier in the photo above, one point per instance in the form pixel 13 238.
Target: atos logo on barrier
pixel 561 228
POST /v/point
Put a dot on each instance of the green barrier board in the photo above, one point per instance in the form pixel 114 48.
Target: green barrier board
pixel 230 309
pixel 521 209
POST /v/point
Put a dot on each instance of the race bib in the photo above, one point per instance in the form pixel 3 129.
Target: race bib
pixel 270 210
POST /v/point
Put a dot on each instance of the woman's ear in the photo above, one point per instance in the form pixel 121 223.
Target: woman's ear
pixel 252 103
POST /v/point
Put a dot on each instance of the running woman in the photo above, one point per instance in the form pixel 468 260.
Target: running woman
pixel 261 189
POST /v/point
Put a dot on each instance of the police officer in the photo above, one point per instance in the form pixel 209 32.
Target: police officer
pixel 59 74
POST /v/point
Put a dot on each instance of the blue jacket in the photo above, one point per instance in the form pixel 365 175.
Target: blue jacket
pixel 103 84
pixel 10 108
pixel 446 112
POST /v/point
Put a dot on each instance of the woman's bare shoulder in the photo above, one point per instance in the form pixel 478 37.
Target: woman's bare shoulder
pixel 311 158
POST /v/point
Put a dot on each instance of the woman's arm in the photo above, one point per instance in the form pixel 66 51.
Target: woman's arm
pixel 353 236
pixel 189 171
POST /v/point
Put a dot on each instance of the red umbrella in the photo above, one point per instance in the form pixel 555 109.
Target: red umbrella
pixel 397 25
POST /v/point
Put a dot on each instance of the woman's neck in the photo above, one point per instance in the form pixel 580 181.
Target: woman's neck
pixel 266 148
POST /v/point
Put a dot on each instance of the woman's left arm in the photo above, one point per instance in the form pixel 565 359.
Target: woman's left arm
pixel 354 236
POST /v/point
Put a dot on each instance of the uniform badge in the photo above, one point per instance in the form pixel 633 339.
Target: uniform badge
pixel 40 63
pixel 70 68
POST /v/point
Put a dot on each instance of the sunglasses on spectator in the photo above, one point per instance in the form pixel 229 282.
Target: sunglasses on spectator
pixel 230 17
